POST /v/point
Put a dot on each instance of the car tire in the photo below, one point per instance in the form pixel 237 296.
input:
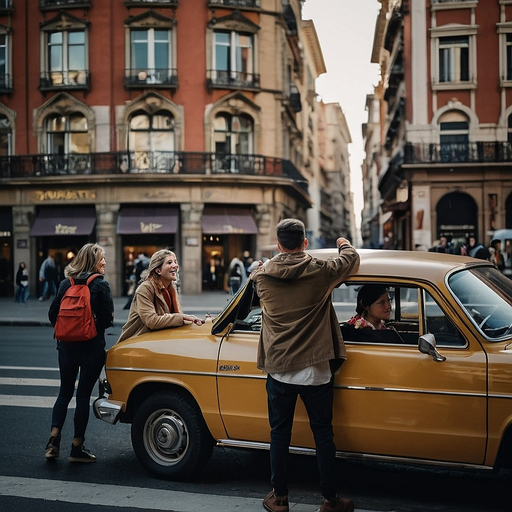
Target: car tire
pixel 170 437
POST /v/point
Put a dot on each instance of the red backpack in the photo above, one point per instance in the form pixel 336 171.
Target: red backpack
pixel 75 321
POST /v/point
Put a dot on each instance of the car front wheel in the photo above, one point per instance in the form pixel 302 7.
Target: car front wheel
pixel 170 437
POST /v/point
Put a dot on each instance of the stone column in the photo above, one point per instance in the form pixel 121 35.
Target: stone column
pixel 106 222
pixel 190 260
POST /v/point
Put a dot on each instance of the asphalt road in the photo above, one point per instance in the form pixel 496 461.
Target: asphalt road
pixel 233 480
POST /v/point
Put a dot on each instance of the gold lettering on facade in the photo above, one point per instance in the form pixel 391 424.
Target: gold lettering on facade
pixel 64 195
pixel 62 229
pixel 152 227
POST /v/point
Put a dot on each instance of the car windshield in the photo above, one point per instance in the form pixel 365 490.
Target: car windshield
pixel 486 295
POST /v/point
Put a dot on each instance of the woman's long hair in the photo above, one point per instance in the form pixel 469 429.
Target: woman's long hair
pixel 155 263
pixel 86 261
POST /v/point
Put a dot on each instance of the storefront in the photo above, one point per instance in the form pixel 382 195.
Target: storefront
pixel 6 253
pixel 227 233
pixel 143 231
pixel 60 232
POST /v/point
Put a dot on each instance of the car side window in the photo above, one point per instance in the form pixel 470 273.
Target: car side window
pixel 403 325
pixel 441 326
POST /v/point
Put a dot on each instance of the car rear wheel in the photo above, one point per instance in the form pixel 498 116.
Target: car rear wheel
pixel 170 437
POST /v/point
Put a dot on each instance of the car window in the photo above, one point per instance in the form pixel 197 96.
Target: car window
pixel 414 312
pixel 441 326
pixel 486 297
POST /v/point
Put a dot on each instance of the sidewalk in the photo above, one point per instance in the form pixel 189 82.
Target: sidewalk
pixel 35 312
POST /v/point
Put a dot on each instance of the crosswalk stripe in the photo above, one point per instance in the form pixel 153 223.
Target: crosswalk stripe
pixel 43 402
pixel 30 368
pixel 131 497
pixel 21 381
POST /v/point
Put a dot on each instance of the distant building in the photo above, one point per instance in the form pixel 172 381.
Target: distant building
pixel 444 157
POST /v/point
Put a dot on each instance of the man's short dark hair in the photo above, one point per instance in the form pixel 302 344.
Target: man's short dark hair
pixel 291 233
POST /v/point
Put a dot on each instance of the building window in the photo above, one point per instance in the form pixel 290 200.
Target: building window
pixel 233 60
pixel 150 56
pixel 453 50
pixel 67 144
pixel 5 76
pixel 454 59
pixel 5 136
pixel 67 134
pixel 151 142
pixel 454 138
pixel 65 64
pixel 233 138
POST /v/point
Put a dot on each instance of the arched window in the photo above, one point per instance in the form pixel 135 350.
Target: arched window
pixel 5 136
pixel 233 138
pixel 67 143
pixel 454 137
pixel 151 141
pixel 67 134
pixel 509 129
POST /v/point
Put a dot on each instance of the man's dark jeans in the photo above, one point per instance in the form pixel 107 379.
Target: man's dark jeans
pixel 318 400
pixel 89 360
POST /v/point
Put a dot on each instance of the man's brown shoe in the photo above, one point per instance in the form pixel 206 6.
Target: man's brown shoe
pixel 274 503
pixel 337 505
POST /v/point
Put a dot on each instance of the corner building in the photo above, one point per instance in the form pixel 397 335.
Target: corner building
pixel 444 163
pixel 149 124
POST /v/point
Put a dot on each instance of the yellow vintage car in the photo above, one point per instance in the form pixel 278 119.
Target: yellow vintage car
pixel 435 389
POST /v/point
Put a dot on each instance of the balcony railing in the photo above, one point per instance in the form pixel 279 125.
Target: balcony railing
pixel 62 4
pixel 232 79
pixel 147 162
pixel 235 3
pixel 5 83
pixel 53 80
pixel 170 3
pixel 163 78
pixel 471 152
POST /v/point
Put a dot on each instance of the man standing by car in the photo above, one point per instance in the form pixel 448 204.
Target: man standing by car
pixel 300 348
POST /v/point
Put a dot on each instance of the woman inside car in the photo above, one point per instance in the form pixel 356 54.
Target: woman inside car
pixel 373 308
pixel 156 303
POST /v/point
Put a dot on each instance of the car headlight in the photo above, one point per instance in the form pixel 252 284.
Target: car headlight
pixel 107 410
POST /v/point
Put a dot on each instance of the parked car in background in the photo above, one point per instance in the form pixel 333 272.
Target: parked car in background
pixel 436 388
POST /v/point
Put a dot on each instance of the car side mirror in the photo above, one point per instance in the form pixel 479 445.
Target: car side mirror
pixel 427 345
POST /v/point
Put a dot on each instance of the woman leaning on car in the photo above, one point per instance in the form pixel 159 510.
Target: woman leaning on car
pixel 155 303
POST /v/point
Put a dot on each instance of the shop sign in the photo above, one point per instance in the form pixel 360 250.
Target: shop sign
pixel 63 229
pixel 66 195
pixel 150 227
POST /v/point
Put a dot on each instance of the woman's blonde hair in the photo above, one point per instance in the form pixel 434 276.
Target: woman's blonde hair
pixel 86 261
pixel 156 262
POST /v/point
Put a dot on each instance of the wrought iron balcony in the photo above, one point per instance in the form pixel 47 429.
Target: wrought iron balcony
pixel 58 80
pixel 165 3
pixel 147 162
pixel 6 6
pixel 62 4
pixel 159 78
pixel 471 152
pixel 232 80
pixel 5 83
pixel 235 3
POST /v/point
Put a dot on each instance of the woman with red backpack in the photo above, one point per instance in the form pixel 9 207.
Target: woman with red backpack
pixel 86 356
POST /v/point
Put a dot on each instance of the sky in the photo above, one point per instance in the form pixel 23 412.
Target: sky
pixel 345 29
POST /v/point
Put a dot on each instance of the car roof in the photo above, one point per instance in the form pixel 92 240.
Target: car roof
pixel 406 264
pixel 375 264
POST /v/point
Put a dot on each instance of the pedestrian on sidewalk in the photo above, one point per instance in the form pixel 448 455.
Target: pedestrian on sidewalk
pixel 301 348
pixel 22 290
pixel 84 357
pixel 48 277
